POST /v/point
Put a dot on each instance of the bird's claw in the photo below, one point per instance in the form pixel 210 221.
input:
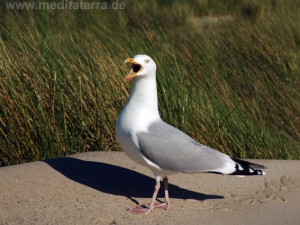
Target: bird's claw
pixel 146 210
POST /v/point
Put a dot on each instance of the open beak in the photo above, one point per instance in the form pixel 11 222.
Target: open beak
pixel 135 69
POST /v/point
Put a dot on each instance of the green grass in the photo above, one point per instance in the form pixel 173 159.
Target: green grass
pixel 228 75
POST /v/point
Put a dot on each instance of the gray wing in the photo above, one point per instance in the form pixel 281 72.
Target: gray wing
pixel 171 149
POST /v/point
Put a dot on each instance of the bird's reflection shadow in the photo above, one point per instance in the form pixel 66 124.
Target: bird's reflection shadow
pixel 117 180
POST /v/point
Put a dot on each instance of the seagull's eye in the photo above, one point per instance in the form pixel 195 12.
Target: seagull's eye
pixel 136 67
pixel 147 61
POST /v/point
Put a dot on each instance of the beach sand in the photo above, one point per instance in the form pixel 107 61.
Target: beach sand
pixel 102 187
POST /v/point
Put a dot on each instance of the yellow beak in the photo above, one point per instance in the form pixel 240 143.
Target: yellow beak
pixel 131 74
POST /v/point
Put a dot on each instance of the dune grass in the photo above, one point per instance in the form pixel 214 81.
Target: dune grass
pixel 228 75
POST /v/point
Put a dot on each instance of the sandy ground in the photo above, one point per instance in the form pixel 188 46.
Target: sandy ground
pixel 101 188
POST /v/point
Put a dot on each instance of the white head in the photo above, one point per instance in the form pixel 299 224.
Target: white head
pixel 141 65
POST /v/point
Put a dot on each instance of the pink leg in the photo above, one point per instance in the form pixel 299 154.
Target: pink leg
pixel 142 210
pixel 167 199
pixel 165 205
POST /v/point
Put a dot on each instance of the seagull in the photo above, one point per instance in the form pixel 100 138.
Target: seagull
pixel 164 149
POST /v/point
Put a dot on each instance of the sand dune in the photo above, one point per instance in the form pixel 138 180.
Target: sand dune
pixel 101 188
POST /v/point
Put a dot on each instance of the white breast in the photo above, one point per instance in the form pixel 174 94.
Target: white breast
pixel 138 113
pixel 128 125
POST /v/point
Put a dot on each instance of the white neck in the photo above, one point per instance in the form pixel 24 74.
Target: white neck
pixel 142 107
pixel 144 92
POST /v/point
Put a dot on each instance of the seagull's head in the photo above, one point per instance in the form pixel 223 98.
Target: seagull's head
pixel 141 65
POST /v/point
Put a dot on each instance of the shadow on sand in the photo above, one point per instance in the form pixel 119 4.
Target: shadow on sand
pixel 117 180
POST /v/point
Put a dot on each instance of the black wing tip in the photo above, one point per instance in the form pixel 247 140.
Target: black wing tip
pixel 248 164
pixel 245 168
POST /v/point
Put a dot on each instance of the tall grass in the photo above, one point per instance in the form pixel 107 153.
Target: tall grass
pixel 228 75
